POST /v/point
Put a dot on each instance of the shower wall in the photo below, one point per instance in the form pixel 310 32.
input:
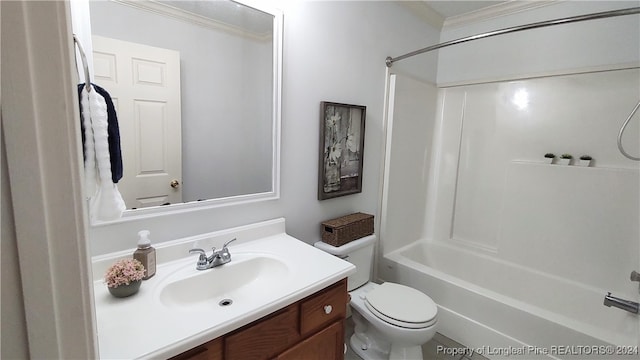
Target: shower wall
pixel 500 198
pixel 503 231
pixel 409 135
pixel 474 176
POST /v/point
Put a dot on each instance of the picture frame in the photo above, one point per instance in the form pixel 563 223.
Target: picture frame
pixel 341 149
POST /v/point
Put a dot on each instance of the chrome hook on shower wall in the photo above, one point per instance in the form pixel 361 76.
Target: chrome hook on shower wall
pixel 624 125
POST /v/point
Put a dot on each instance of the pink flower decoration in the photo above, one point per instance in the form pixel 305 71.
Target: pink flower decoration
pixel 123 272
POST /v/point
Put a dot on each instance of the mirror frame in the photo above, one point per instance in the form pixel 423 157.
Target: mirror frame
pixel 274 193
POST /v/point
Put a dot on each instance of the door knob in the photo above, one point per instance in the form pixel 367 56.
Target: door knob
pixel 635 276
pixel 175 183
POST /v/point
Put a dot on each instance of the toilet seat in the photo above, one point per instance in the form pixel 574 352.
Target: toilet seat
pixel 401 306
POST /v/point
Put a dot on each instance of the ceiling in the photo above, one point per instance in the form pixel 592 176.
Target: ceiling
pixel 453 7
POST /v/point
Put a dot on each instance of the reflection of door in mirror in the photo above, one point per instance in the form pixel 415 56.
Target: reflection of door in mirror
pixel 229 88
pixel 144 82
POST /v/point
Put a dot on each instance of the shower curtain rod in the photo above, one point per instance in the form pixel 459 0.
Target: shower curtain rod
pixel 600 15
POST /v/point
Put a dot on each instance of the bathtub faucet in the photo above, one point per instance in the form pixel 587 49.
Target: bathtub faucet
pixel 626 305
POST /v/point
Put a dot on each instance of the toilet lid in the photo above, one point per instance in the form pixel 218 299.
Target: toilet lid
pixel 402 305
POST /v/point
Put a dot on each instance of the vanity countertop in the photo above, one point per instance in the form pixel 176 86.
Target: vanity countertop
pixel 164 320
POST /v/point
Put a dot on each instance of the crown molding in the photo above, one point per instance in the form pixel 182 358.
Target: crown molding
pixel 192 18
pixel 424 12
pixel 495 11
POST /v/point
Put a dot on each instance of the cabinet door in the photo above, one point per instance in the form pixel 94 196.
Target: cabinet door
pixel 328 344
pixel 209 351
pixel 265 338
pixel 323 308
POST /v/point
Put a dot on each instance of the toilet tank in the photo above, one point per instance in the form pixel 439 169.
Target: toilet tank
pixel 358 252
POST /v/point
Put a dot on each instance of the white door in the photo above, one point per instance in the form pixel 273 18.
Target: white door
pixel 144 83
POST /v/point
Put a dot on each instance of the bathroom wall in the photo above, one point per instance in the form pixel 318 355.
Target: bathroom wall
pixel 14 329
pixel 333 51
pixel 43 219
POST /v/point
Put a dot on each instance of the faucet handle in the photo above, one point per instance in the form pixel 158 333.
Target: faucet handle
pixel 203 254
pixel 198 250
pixel 203 261
pixel 227 243
pixel 224 254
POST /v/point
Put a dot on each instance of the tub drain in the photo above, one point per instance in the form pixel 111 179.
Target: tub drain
pixel 225 302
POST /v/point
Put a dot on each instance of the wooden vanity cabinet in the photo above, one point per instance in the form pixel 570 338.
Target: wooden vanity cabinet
pixel 211 350
pixel 310 329
pixel 264 338
pixel 328 343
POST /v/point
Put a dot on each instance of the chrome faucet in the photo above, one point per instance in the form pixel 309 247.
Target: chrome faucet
pixel 217 258
pixel 627 305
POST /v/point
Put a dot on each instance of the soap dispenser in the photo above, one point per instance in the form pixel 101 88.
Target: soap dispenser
pixel 146 254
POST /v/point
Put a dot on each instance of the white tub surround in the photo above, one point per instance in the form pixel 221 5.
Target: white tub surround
pixel 481 306
pixel 516 251
pixel 159 322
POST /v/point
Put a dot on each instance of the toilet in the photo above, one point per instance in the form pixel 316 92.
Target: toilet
pixel 392 321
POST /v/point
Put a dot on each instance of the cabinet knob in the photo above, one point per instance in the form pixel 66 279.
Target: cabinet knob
pixel 328 309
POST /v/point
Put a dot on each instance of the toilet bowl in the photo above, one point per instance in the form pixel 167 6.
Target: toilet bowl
pixel 392 321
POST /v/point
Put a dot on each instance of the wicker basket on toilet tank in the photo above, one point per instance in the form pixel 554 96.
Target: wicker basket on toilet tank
pixel 344 229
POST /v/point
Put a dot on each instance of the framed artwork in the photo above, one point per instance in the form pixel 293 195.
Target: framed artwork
pixel 341 149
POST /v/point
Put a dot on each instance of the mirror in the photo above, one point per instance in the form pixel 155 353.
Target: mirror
pixel 196 85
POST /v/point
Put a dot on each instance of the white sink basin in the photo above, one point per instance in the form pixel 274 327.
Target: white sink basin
pixel 236 283
pixel 178 308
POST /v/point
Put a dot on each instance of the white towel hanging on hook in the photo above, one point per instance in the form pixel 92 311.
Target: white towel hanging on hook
pixel 105 201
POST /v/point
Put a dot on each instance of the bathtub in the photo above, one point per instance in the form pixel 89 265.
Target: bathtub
pixel 504 310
